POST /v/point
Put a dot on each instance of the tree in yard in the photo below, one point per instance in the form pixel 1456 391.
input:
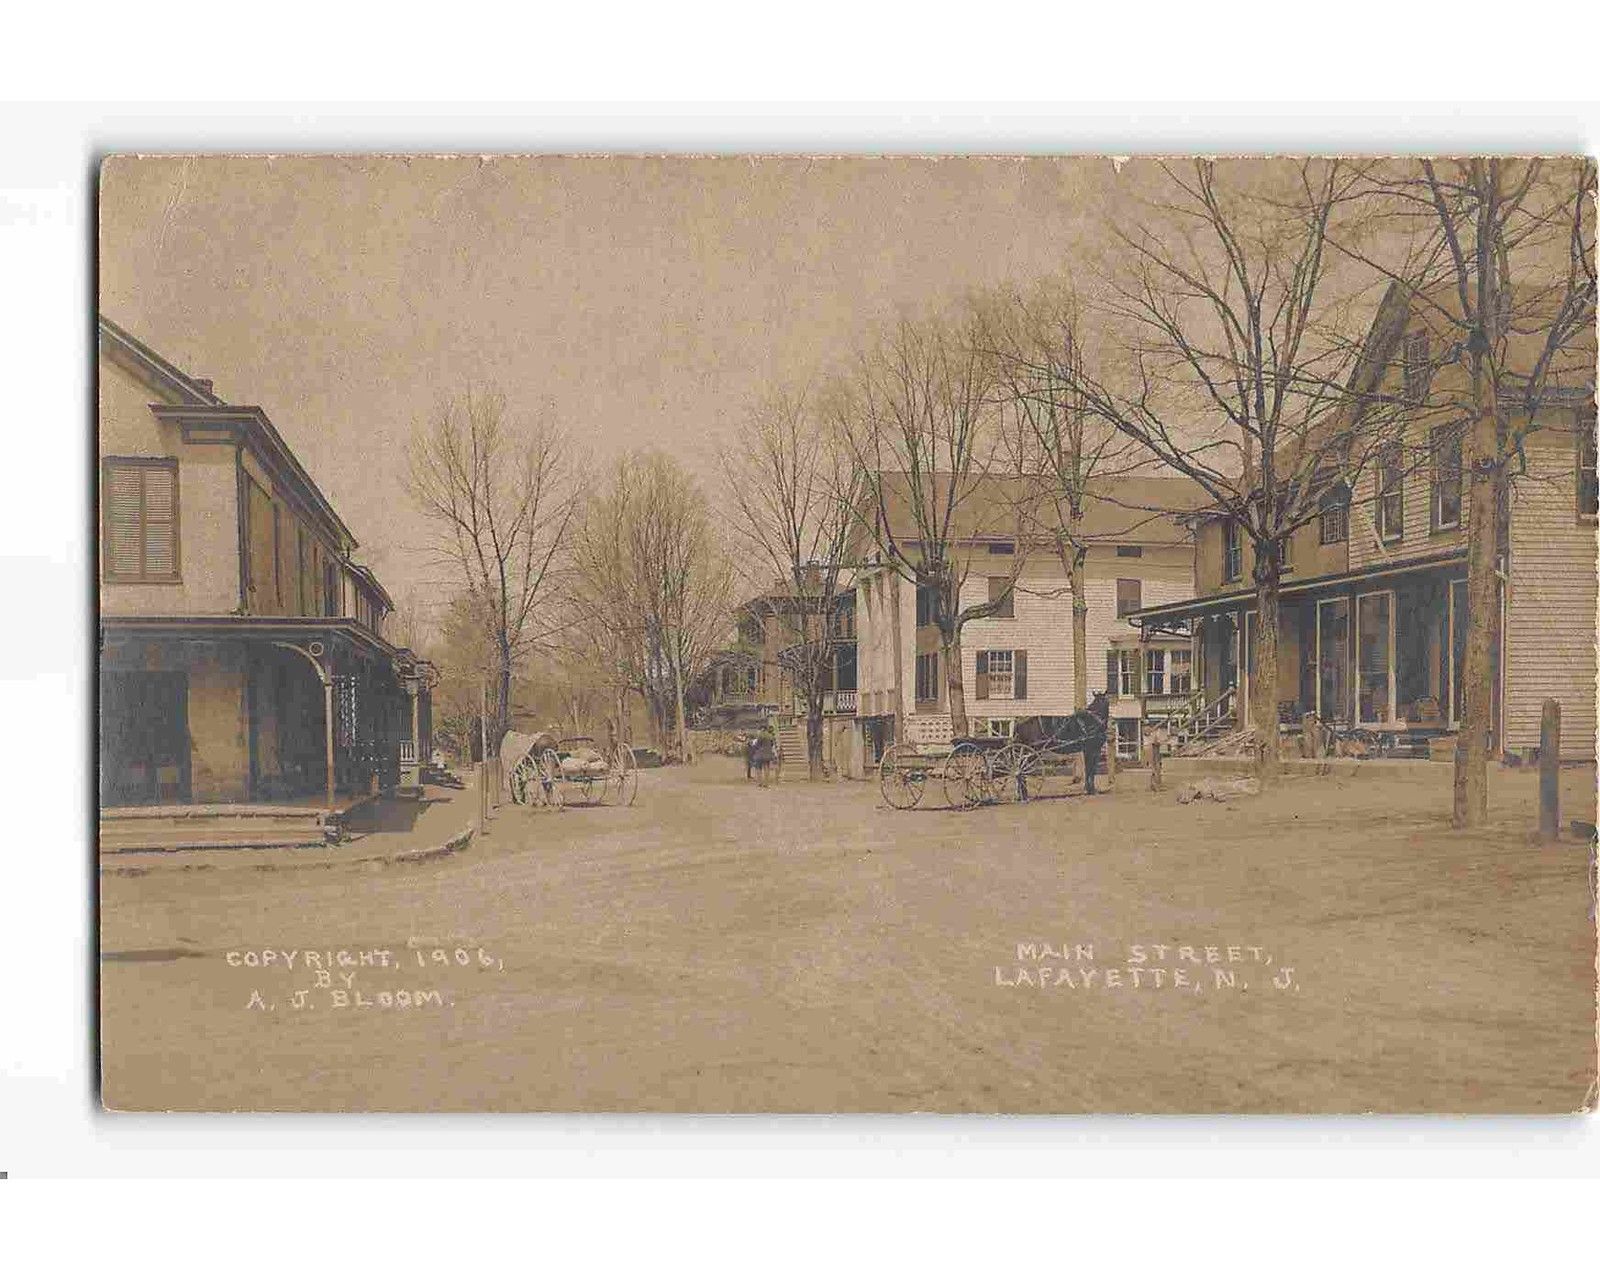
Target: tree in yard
pixel 918 422
pixel 1037 341
pixel 792 498
pixel 501 497
pixel 1500 260
pixel 1243 373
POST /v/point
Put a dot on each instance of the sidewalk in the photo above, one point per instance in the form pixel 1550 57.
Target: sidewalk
pixel 389 830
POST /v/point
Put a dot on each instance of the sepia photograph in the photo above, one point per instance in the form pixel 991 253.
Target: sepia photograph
pixel 783 634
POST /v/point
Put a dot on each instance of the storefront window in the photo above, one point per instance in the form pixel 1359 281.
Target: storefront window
pixel 1375 657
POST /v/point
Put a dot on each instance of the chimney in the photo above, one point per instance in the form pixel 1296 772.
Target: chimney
pixel 204 384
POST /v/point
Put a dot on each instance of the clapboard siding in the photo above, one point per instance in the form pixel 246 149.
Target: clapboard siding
pixel 1418 538
pixel 1043 624
pixel 1552 600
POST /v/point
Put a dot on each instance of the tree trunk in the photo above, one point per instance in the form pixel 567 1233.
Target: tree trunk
pixel 814 737
pixel 951 657
pixel 684 754
pixel 1264 681
pixel 1470 807
pixel 1080 631
pixel 502 697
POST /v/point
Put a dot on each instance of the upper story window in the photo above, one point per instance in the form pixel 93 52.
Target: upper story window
pixel 927 677
pixel 1444 449
pixel 140 506
pixel 1001 593
pixel 1391 500
pixel 1232 551
pixel 1002 548
pixel 1415 371
pixel 330 589
pixel 996 670
pixel 1122 673
pixel 1333 514
pixel 1180 678
pixel 1588 487
pixel 1155 672
pixel 1130 553
pixel 1129 591
pixel 925 611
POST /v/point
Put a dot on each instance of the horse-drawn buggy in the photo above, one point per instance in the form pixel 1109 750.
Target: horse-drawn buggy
pixel 544 770
pixel 972 771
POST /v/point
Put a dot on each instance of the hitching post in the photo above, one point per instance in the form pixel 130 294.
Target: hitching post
pixel 1308 735
pixel 1550 770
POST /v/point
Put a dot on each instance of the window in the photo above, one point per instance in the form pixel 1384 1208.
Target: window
pixel 995 669
pixel 924 604
pixel 1155 672
pixel 1444 448
pixel 330 589
pixel 1181 677
pixel 996 728
pixel 1127 596
pixel 140 507
pixel 1588 487
pixel 1122 673
pixel 1000 590
pixel 1333 514
pixel 1232 552
pixel 1391 493
pixel 927 677
pixel 1002 548
pixel 1286 554
pixel 1414 361
pixel 1130 553
pixel 1127 738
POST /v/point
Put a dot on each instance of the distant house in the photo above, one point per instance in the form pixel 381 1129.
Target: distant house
pixel 1374 601
pixel 242 649
pixel 1019 661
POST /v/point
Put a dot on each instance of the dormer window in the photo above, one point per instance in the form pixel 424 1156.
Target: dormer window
pixel 1415 370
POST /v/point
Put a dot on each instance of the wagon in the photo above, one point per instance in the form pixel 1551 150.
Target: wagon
pixel 972 771
pixel 548 771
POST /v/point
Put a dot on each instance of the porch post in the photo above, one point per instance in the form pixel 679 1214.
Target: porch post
pixel 327 721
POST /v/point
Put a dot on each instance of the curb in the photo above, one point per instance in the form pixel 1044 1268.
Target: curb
pixel 451 846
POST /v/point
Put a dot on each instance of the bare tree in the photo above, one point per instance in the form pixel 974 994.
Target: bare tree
pixel 1245 375
pixel 1501 259
pixel 792 497
pixel 501 497
pixel 1053 436
pixel 655 581
pixel 919 422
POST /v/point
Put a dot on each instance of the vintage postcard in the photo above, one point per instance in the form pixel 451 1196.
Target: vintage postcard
pixel 822 634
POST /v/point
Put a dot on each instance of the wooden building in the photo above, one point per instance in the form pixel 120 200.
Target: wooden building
pixel 1373 612
pixel 242 650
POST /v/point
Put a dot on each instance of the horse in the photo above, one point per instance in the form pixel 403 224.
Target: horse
pixel 760 751
pixel 1083 732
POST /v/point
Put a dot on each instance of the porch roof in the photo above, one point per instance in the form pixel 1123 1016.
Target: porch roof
pixel 246 627
pixel 1231 601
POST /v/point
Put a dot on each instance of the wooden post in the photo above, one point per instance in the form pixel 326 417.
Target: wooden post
pixel 1308 735
pixel 1155 765
pixel 1550 771
pixel 1111 751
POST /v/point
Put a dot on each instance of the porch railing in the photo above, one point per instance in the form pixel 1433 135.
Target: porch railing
pixel 1201 719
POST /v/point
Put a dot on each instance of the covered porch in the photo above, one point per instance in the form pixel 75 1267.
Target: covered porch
pixel 284 716
pixel 1380 649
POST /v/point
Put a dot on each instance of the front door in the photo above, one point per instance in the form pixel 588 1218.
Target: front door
pixel 1375 658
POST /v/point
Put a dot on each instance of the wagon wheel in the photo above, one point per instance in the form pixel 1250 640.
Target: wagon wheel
pixel 966 777
pixel 624 777
pixel 1012 767
pixel 550 779
pixel 902 776
pixel 521 772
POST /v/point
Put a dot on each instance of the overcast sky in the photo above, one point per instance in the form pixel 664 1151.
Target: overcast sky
pixel 641 300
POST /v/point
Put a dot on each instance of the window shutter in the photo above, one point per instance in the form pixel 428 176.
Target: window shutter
pixel 1138 672
pixel 1111 673
pixel 982 692
pixel 1019 675
pixel 160 522
pixel 122 501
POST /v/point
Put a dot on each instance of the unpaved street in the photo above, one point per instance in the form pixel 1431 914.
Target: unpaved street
pixel 722 948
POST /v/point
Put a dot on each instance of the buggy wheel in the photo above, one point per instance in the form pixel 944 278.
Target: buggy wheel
pixel 624 779
pixel 966 777
pixel 901 777
pixel 520 773
pixel 592 788
pixel 550 779
pixel 1013 766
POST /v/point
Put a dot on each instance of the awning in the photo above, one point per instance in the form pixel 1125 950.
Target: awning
pixel 1232 601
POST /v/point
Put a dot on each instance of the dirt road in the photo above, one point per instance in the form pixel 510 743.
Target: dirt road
pixel 720 948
